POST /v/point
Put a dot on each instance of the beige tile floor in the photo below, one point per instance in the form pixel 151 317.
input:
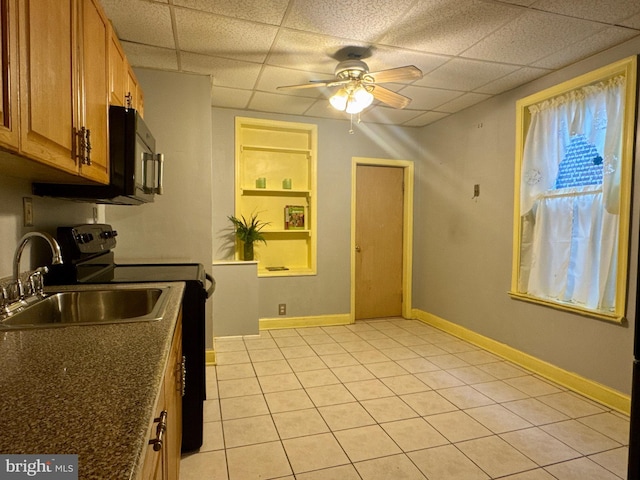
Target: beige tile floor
pixel 393 399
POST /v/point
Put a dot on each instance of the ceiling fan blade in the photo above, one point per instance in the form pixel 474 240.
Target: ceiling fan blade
pixel 408 72
pixel 338 82
pixel 389 97
pixel 311 84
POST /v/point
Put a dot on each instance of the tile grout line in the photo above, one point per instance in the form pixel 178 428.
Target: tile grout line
pixel 295 373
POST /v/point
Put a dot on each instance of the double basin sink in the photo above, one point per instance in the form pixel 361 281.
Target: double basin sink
pixel 90 307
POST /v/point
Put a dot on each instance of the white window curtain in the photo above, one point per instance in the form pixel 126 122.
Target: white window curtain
pixel 569 236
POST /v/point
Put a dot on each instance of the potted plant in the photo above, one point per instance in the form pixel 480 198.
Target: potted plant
pixel 248 231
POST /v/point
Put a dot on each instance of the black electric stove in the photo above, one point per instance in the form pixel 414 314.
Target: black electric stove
pixel 88 256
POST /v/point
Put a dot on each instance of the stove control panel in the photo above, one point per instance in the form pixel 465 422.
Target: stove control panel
pixel 85 239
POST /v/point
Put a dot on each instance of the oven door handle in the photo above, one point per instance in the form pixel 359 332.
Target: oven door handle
pixel 212 288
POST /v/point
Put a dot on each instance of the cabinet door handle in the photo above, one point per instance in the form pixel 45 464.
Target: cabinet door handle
pixel 81 144
pixel 183 375
pixel 87 157
pixel 160 431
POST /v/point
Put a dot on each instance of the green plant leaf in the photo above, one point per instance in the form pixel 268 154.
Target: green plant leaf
pixel 248 231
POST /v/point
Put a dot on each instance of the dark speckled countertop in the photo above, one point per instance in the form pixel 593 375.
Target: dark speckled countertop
pixel 88 390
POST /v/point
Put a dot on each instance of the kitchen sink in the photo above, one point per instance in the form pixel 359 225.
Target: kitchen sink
pixel 90 307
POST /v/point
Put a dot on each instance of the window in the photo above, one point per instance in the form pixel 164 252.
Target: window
pixel 572 193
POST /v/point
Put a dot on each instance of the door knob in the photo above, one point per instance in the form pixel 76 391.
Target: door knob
pixel 358 249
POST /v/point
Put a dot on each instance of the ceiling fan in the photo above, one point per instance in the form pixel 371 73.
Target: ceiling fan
pixel 359 86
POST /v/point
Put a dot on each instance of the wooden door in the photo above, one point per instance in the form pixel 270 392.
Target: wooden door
pixel 48 105
pixel 379 226
pixel 95 88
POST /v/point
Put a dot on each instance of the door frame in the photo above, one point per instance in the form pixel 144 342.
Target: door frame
pixel 407 229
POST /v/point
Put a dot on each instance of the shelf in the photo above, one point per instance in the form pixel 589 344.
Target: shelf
pixel 288 231
pixel 275 191
pixel 292 272
pixel 270 152
pixel 267 148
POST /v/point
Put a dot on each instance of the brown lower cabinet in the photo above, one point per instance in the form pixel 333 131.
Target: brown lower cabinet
pixel 162 460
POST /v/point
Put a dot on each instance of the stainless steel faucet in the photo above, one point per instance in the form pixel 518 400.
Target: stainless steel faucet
pixel 55 249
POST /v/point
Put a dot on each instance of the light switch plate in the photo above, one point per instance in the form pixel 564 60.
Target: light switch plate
pixel 27 211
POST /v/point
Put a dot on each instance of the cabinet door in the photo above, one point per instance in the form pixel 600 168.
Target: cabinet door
pixel 95 88
pixel 136 97
pixel 173 399
pixel 117 71
pixel 153 467
pixel 9 75
pixel 48 106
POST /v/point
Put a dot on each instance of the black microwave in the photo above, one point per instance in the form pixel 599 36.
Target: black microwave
pixel 135 170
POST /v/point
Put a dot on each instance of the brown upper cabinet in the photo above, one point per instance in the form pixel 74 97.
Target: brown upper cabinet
pixel 123 84
pixel 117 71
pixel 9 75
pixel 62 65
pixel 64 85
pixel 135 92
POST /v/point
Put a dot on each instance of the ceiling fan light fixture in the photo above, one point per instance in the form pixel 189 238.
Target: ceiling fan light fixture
pixel 339 99
pixel 351 100
pixel 363 97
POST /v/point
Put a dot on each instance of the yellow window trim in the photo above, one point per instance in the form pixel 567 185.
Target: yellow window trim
pixel 629 68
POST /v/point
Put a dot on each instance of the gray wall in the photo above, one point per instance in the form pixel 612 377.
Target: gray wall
pixel 463 247
pixel 327 292
pixel 176 227
pixel 48 214
pixel 462 257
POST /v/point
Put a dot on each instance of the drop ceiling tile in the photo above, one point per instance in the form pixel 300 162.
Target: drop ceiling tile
pixel 355 20
pixel 273 77
pixel 524 3
pixel 596 43
pixel 611 11
pixel 307 51
pixel 462 102
pixel 225 72
pixel 270 12
pixel 231 39
pixel 150 57
pixel 463 74
pixel 530 37
pixel 230 97
pixel 209 34
pixel 424 98
pixel 426 119
pixel 449 26
pixel 272 102
pixel 512 80
pixel 387 115
pixel 632 21
pixel 322 108
pixel 141 22
pixel 383 58
pixel 318 53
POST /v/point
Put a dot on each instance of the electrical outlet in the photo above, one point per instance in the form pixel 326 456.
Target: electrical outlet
pixel 282 309
pixel 476 190
pixel 27 211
